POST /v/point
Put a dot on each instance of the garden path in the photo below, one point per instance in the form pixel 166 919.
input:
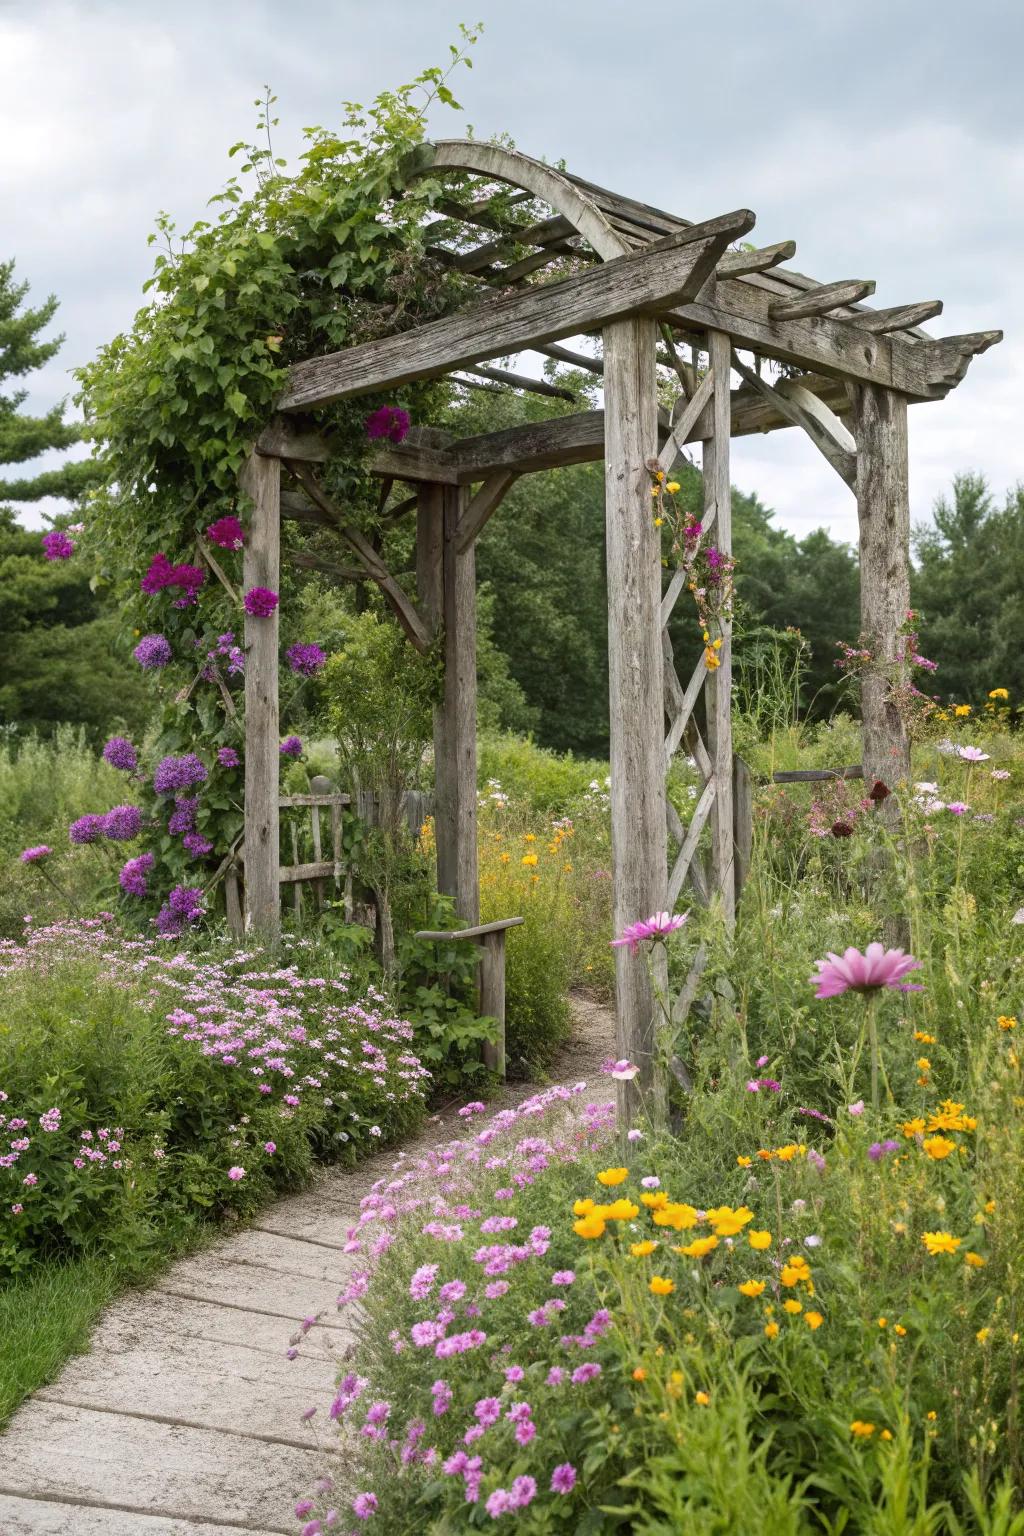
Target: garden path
pixel 185 1419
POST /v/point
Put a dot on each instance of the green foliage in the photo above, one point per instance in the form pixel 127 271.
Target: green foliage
pixel 539 779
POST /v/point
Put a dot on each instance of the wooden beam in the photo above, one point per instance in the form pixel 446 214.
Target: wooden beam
pixel 261 482
pixel 455 814
pixel 818 301
pixel 828 434
pixel 402 605
pixel 684 858
pixel 815 775
pixel 523 381
pixel 573 359
pixel 309 562
pixel 638 817
pixel 901 318
pixel 679 433
pixel 740 263
pixel 718 690
pixel 883 510
pixel 665 273
pixel 482 506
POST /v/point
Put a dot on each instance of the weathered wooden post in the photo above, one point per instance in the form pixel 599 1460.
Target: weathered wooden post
pixel 639 842
pixel 883 510
pixel 446 588
pixel 718 504
pixel 261 481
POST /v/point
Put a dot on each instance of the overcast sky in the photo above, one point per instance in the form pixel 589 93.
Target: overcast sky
pixel 886 139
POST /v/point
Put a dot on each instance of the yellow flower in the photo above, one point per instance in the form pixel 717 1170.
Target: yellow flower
pixel 641 1250
pixel 506 858
pixel 699 1247
pixel 619 1210
pixel 862 1430
pixel 982 1334
pixel 660 1286
pixel 726 1222
pixel 813 1320
pixel 529 860
pixel 655 490
pixel 787 1154
pixel 938 1147
pixel 702 1398
pixel 974 1260
pixel 990 1206
pixel 659 522
pixel 582 1207
pixel 751 1288
pixel 962 710
pixel 886 1434
pixel 1007 1021
pixel 656 1201
pixel 529 837
pixel 744 1162
pixel 883 1322
pixel 915 1127
pixel 639 1374
pixel 674 1214
pixel 589 1226
pixel 759 1239
pixel 923 1064
pixel 610 1176
pixel 994 693
pixel 771 1330
pixel 793 1307
pixel 923 1038
pixel 931 1416
pixel 941 1242
pixel 899 1328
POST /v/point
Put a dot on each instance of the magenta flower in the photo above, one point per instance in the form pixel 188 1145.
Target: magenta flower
pixel 291 746
pixel 86 829
pixel 623 1071
pixel 57 545
pixel 563 1478
pixel 260 602
pixel 388 421
pixel 34 855
pixel 227 757
pixel 657 927
pixel 958 807
pixel 306 660
pixel 152 651
pixel 364 1505
pixel 227 533
pixel 120 753
pixel 235 1174
pixel 855 972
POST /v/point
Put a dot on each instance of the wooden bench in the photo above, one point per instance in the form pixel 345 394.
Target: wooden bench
pixel 491 940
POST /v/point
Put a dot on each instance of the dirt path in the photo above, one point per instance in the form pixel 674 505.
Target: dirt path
pixel 186 1418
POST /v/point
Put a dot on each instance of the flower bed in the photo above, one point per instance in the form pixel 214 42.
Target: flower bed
pixel 142 1087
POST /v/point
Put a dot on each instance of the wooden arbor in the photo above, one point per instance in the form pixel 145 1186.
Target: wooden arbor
pixel 643 281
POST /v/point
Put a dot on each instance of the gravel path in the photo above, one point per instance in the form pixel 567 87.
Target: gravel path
pixel 185 1419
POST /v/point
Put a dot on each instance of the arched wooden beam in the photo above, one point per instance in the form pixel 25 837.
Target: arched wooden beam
pixel 520 170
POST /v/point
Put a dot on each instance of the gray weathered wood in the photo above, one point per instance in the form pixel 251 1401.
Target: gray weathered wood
pixel 447 935
pixel 663 274
pixel 573 359
pixel 523 381
pixel 718 490
pixel 681 867
pixel 233 903
pixel 814 775
pixel 902 317
pixel 680 430
pixel 639 843
pixel 680 716
pixel 820 300
pixel 287 873
pixel 833 440
pixel 481 508
pixel 492 997
pixel 671 594
pixel 739 263
pixel 328 798
pixel 742 819
pixel 261 482
pixel 296 865
pixel 695 873
pixel 883 510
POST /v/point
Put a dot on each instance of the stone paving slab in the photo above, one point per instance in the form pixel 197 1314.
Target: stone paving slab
pixel 39 1517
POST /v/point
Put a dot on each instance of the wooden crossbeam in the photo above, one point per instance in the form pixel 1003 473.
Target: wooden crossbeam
pixel 828 434
pixel 680 430
pixel 681 720
pixel 482 506
pixel 820 300
pixel 310 562
pixel 671 594
pixel 701 811
pixel 665 273
pixel 903 317
pixel 523 381
pixel 404 608
pixel 574 359
pixel 741 263
pixel 695 872
pixel 545 232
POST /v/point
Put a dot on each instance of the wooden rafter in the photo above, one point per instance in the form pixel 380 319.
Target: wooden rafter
pixel 828 434
pixel 666 273
pixel 481 508
pixel 822 300
pixel 903 317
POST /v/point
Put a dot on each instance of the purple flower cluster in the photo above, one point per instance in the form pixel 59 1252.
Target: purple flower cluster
pixel 87 829
pixel 123 823
pixel 177 773
pixel 291 746
pixel 120 753
pixel 227 648
pixel 226 533
pixel 185 578
pixel 388 421
pixel 227 757
pixel 152 651
pixel 132 878
pixel 769 1083
pixel 260 602
pixel 183 817
pixel 196 845
pixel 183 905
pixel 35 855
pixel 57 545
pixel 306 660
pixel 881 1149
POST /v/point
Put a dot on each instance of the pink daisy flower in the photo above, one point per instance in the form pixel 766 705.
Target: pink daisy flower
pixel 855 972
pixel 658 926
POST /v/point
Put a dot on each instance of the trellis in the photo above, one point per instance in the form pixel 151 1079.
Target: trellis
pixel 645 283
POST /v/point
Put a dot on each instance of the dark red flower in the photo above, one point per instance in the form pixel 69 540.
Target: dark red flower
pixel 879 792
pixel 841 829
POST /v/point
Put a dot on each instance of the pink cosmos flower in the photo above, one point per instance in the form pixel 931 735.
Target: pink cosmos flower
pixel 972 754
pixel 623 1071
pixel 855 972
pixel 235 1174
pixel 958 807
pixel 657 927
